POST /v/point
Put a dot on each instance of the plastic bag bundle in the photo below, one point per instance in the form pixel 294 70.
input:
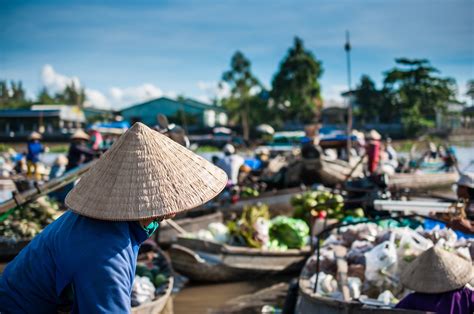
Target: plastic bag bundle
pixel 143 290
pixel 380 259
pixel 219 231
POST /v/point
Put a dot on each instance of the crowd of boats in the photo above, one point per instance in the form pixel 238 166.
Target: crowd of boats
pixel 211 244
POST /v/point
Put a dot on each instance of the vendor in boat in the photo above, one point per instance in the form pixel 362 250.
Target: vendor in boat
pixel 310 148
pixel 35 148
pixel 96 141
pixel 79 150
pixel 465 191
pixel 231 164
pixel 439 279
pixel 373 150
pixel 85 261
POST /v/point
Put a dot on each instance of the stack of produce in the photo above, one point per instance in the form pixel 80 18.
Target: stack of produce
pixel 376 256
pixel 151 280
pixel 26 222
pixel 255 229
pixel 321 204
pixel 247 192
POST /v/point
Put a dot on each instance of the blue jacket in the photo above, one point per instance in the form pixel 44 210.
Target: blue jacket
pixel 34 150
pixel 96 258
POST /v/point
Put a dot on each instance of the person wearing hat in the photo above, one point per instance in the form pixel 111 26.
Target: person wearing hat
pixel 373 150
pixel 231 164
pixel 79 152
pixel 439 279
pixel 465 192
pixel 85 261
pixel 35 148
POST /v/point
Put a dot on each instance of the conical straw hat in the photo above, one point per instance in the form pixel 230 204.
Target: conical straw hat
pixel 80 135
pixel 374 135
pixel 35 136
pixel 143 175
pixel 437 270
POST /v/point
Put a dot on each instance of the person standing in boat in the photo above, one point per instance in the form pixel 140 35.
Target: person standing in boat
pixel 310 148
pixel 465 191
pixel 373 151
pixel 79 152
pixel 231 164
pixel 85 261
pixel 439 279
pixel 35 148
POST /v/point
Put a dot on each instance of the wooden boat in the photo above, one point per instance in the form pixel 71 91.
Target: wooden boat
pixel 213 262
pixel 328 172
pixel 166 235
pixel 10 249
pixel 200 218
pixel 421 181
pixel 163 303
pixel 309 302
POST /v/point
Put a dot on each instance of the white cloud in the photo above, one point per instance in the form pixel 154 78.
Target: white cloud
pixel 114 97
pixel 213 90
pixel 95 98
pixel 120 97
pixel 56 82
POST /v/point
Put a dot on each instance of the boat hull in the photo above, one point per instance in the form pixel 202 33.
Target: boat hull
pixel 212 262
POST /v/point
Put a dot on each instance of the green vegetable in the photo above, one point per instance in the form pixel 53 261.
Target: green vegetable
pixel 317 201
pixel 159 280
pixel 289 232
pixel 243 230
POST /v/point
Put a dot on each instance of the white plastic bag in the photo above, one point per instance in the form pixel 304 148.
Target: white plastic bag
pixel 383 257
pixel 326 283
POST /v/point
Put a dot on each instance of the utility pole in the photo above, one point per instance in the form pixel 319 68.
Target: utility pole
pixel 347 48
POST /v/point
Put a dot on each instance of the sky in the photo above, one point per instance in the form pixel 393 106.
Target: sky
pixel 123 53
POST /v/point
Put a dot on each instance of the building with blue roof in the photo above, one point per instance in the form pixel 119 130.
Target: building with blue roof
pixel 191 114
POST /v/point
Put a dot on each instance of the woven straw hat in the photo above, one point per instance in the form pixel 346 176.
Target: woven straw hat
pixel 35 136
pixel 80 135
pixel 374 135
pixel 437 270
pixel 466 179
pixel 143 175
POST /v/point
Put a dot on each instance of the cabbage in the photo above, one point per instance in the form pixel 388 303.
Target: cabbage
pixel 289 232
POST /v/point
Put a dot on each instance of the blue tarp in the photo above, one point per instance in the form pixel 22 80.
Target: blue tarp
pixel 431 224
pixel 112 125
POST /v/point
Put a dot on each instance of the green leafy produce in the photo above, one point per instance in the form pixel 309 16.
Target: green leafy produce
pixel 249 192
pixel 243 230
pixel 288 232
pixel 322 204
pixel 26 222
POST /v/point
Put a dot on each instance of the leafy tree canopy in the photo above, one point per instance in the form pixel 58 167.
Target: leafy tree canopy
pixel 295 87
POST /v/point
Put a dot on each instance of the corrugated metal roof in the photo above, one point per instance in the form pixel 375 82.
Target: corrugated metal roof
pixel 186 102
pixel 27 113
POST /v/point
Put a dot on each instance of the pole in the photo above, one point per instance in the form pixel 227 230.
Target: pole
pixel 347 48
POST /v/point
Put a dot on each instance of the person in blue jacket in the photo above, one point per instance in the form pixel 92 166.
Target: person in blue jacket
pixel 32 157
pixel 84 262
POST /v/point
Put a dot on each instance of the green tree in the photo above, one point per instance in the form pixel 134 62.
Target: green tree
pixel 243 85
pixel 13 96
pixel 470 91
pixel 295 87
pixel 45 98
pixel 71 95
pixel 417 93
pixel 369 101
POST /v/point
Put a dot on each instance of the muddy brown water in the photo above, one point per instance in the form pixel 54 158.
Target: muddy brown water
pixel 209 298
